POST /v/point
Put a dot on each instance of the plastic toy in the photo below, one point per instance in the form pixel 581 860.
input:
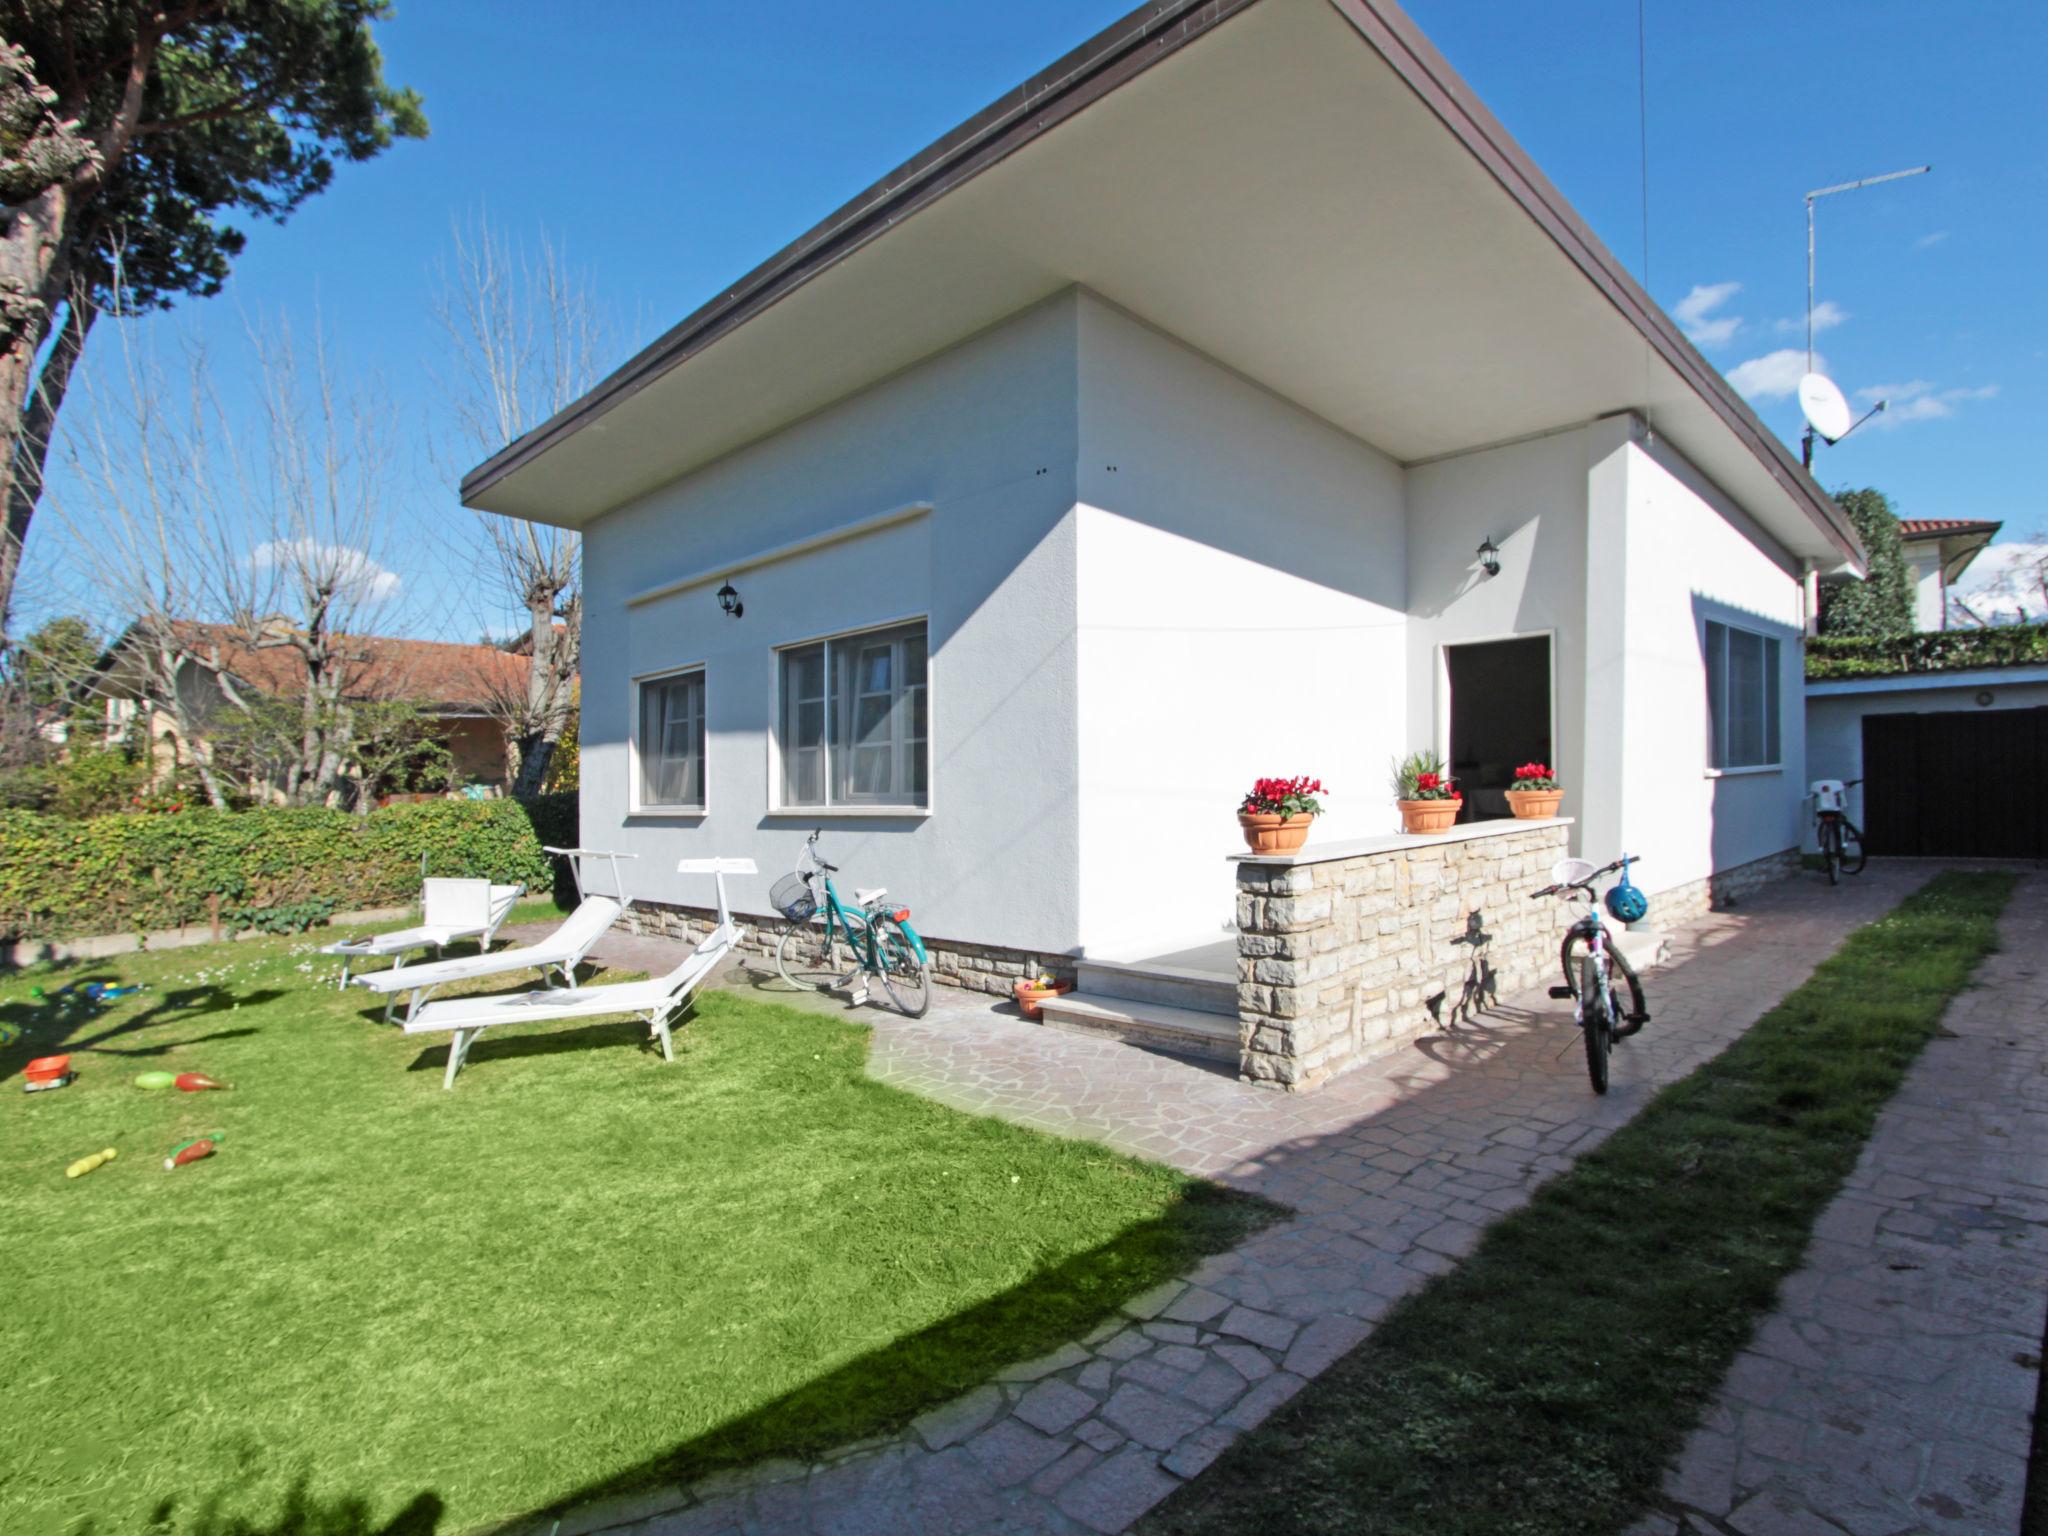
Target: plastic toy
pixel 86 1165
pixel 154 1081
pixel 100 992
pixel 195 1082
pixel 190 1152
pixel 47 1072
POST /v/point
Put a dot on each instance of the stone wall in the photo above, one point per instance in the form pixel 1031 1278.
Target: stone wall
pixel 1696 898
pixel 976 967
pixel 1340 958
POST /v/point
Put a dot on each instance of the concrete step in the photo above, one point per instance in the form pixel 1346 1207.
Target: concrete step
pixel 1149 981
pixel 1643 948
pixel 1156 1026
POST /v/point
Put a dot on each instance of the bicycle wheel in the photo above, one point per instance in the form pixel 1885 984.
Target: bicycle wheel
pixel 1853 856
pixel 1829 837
pixel 906 978
pixel 813 958
pixel 1594 1022
pixel 1572 953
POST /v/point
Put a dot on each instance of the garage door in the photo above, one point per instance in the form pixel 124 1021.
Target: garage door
pixel 1959 783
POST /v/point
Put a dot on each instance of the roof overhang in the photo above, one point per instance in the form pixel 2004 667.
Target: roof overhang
pixel 1957 542
pixel 1302 189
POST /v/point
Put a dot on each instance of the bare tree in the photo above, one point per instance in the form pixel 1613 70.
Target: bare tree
pixel 526 336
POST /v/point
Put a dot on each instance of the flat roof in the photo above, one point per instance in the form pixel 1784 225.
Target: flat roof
pixel 1303 189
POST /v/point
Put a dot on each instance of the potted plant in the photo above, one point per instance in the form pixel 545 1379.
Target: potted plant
pixel 1034 990
pixel 1276 814
pixel 1427 795
pixel 1535 793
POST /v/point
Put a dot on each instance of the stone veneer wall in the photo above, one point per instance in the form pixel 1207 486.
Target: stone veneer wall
pixel 976 967
pixel 1696 898
pixel 1339 959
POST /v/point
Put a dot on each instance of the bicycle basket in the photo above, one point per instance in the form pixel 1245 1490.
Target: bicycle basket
pixel 1572 871
pixel 793 898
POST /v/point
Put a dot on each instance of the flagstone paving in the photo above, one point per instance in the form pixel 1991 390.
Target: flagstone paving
pixel 1893 1389
pixel 1392 1172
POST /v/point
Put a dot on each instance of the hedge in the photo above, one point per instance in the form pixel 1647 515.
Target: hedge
pixel 1941 650
pixel 273 868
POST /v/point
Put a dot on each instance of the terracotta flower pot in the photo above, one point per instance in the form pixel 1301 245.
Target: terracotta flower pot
pixel 1273 834
pixel 1534 804
pixel 1429 815
pixel 1029 995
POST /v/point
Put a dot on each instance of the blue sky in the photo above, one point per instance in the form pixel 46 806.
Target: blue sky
pixel 672 144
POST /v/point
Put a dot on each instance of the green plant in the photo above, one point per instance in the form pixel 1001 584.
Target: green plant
pixel 1421 776
pixel 131 873
pixel 1944 650
pixel 1535 776
pixel 295 917
pixel 1881 603
pixel 1283 797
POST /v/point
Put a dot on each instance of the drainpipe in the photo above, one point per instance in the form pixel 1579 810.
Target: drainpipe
pixel 1809 598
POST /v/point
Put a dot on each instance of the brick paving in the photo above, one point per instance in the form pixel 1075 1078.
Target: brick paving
pixel 1893 1389
pixel 1392 1172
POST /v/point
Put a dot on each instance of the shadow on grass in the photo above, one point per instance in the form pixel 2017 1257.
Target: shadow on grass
pixel 301 1514
pixel 71 1023
pixel 500 1045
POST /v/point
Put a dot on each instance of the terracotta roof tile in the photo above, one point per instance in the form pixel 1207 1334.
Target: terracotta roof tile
pixel 447 677
pixel 1943 527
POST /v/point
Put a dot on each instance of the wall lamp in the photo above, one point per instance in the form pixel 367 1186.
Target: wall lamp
pixel 1489 558
pixel 729 600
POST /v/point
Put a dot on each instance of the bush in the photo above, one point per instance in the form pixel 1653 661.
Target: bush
pixel 1881 604
pixel 270 867
pixel 1940 650
pixel 557 823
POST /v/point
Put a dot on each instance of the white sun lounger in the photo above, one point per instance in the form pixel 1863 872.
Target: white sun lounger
pixel 450 911
pixel 561 951
pixel 657 1001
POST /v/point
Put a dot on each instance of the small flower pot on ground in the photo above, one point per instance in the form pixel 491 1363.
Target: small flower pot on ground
pixel 1030 994
pixel 1427 795
pixel 1535 793
pixel 1276 815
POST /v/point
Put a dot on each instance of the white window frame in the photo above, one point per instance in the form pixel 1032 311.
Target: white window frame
pixel 636 806
pixel 1773 680
pixel 862 810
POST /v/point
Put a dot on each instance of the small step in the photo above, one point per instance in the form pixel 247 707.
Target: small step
pixel 1644 948
pixel 1152 981
pixel 1156 1026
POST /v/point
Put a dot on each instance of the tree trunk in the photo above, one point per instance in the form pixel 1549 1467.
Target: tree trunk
pixel 32 282
pixel 550 685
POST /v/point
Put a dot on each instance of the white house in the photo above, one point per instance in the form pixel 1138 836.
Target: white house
pixel 1140 438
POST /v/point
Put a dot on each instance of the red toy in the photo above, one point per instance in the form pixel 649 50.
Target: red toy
pixel 195 1082
pixel 47 1072
pixel 188 1152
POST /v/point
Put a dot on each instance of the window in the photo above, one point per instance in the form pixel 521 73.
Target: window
pixel 855 721
pixel 670 744
pixel 1742 696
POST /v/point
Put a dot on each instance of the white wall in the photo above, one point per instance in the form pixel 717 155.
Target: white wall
pixel 986 433
pixel 1834 721
pixel 1930 596
pixel 1241 578
pixel 1689 559
pixel 1530 499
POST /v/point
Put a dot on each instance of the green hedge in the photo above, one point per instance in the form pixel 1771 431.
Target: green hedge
pixel 131 874
pixel 1944 650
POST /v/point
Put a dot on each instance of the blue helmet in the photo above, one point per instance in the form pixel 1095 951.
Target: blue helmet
pixel 1625 901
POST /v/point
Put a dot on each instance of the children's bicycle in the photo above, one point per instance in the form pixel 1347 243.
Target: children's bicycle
pixel 1590 961
pixel 1839 839
pixel 830 946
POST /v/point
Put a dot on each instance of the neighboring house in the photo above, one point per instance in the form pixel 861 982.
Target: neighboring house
pixel 1150 433
pixel 459 687
pixel 1938 550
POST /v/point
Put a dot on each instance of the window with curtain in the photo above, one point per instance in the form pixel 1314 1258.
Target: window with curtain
pixel 855 720
pixel 1742 696
pixel 670 744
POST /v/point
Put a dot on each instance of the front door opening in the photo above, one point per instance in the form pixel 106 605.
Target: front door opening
pixel 1500 718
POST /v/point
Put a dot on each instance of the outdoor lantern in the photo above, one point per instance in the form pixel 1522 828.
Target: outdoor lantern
pixel 1489 558
pixel 729 600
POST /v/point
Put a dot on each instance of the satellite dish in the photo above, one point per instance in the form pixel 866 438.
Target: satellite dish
pixel 1825 409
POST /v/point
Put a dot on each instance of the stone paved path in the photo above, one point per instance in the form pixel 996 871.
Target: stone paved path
pixel 1893 1390
pixel 1392 1171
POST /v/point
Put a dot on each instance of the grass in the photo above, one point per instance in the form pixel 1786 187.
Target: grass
pixel 1543 1385
pixel 387 1308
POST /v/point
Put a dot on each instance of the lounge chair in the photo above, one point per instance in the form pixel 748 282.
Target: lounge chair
pixel 561 951
pixel 450 911
pixel 657 1001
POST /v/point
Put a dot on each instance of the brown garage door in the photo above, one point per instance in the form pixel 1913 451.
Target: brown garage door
pixel 1967 784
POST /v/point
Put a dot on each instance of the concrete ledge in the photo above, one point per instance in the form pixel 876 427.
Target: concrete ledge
pixel 1398 842
pixel 100 946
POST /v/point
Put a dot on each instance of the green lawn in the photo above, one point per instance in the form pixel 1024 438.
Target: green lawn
pixel 1541 1387
pixel 580 1270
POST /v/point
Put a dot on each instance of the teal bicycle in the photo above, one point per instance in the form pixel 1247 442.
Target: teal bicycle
pixel 831 947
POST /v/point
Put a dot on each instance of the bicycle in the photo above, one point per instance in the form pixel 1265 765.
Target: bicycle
pixel 868 939
pixel 1840 840
pixel 1589 975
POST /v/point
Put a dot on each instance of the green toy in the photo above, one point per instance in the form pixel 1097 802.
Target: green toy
pixel 155 1080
